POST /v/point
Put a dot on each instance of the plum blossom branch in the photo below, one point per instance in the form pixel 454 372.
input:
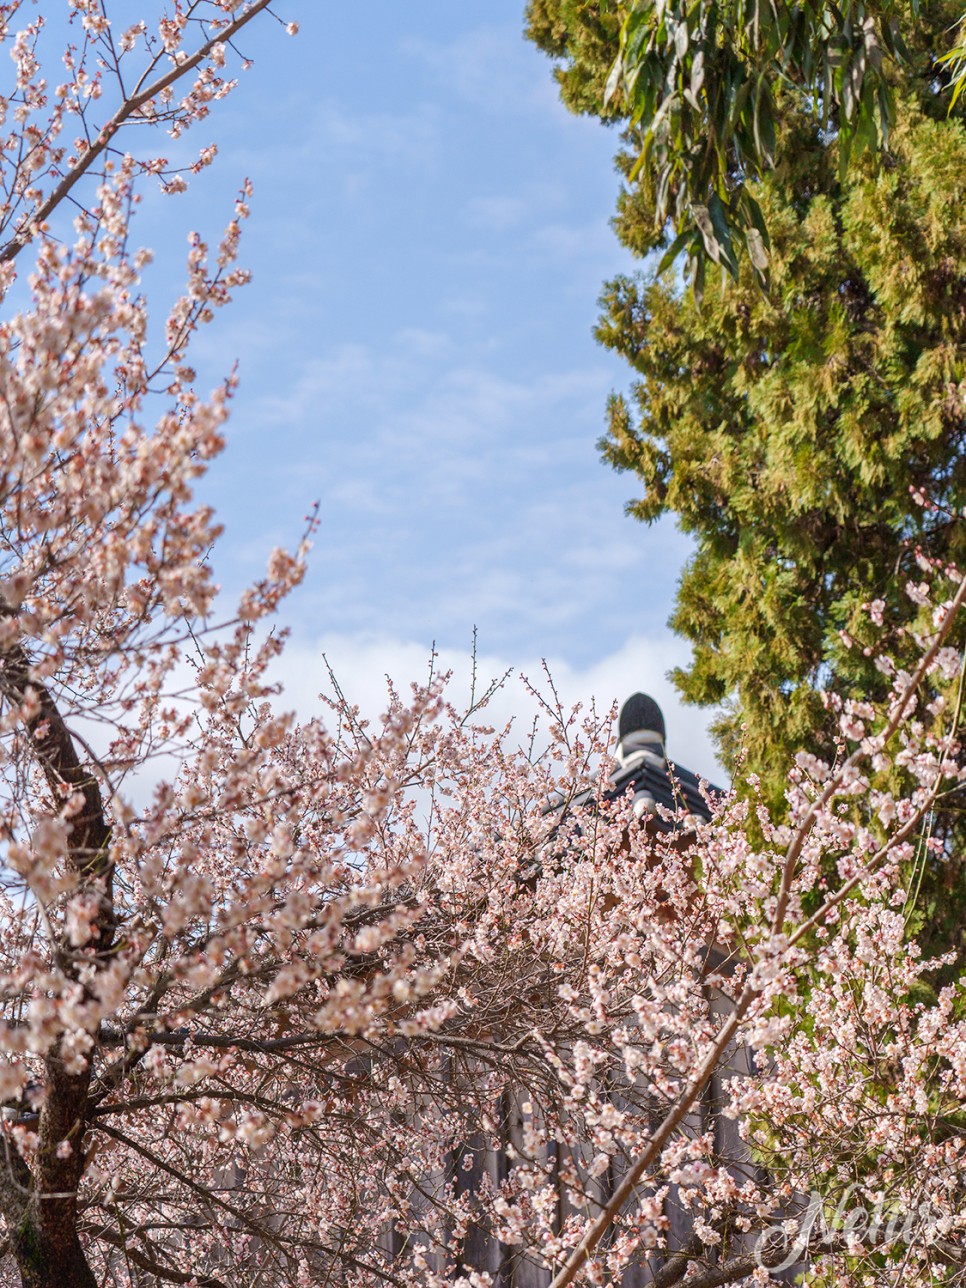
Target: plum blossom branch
pixel 129 108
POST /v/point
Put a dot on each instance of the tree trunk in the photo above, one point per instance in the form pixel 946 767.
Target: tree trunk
pixel 40 1202
pixel 45 1261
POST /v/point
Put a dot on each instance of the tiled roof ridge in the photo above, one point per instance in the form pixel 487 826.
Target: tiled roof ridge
pixel 656 783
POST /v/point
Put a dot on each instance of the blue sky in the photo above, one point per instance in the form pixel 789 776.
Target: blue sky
pixel 429 233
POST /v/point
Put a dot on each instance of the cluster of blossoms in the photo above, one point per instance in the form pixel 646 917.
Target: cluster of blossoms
pixel 346 1001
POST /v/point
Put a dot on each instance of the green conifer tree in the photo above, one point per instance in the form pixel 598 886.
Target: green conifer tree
pixel 786 429
pixel 790 428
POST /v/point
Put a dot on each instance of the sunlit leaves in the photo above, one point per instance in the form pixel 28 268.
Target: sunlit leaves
pixel 700 80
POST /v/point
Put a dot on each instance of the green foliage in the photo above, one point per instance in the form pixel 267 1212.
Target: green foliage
pixel 584 37
pixel 955 63
pixel 786 425
pixel 702 83
pixel 701 80
pixel 785 428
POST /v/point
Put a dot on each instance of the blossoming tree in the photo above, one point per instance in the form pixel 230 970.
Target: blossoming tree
pixel 268 1028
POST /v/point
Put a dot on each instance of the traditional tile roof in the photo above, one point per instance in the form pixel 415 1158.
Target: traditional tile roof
pixel 643 769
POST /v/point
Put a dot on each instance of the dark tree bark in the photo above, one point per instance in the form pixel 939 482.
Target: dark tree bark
pixel 40 1201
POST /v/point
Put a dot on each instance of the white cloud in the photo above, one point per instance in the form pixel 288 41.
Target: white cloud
pixel 528 203
pixel 370 142
pixel 566 243
pixel 484 69
pixel 362 663
pixel 453 493
pixel 496 214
